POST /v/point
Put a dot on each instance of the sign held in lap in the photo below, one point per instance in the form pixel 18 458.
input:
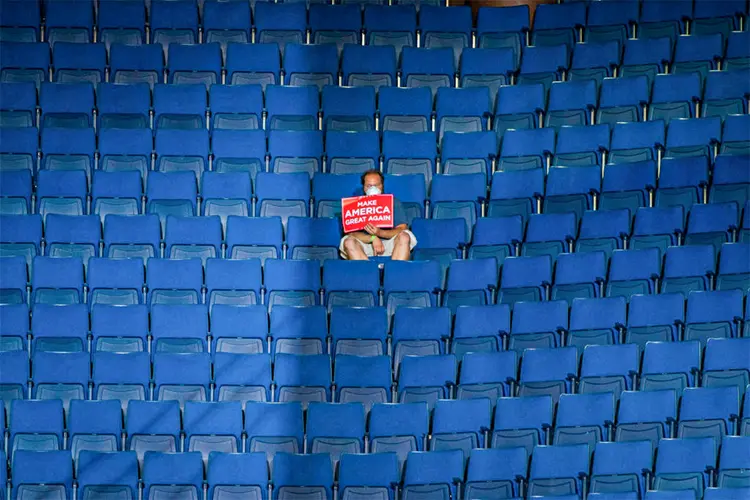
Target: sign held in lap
pixel 359 211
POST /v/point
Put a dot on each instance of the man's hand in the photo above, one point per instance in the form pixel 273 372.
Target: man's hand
pixel 377 247
pixel 375 231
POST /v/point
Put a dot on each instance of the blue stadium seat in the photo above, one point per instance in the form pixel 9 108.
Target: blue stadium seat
pixel 548 372
pixel 411 284
pixel 212 427
pixel 647 56
pixel 298 330
pixel 68 21
pixel 94 426
pixel 458 196
pixel 419 332
pixel 480 329
pixel 571 103
pixel 15 193
pixel 496 471
pixel 522 422
pixel 248 238
pixel 487 67
pixel 121 152
pixel 538 325
pixel 744 233
pixel 387 26
pixel 675 97
pixel 238 107
pixel 716 18
pixel 36 474
pixel 292 108
pixel 123 106
pixel 107 473
pixel 398 428
pixel 558 470
pixel 584 419
pixel 348 340
pixel 462 110
pixel 461 425
pixel 549 234
pixel 68 149
pixel 365 380
pixel 497 237
pixel 18 108
pixel 256 63
pixel 335 428
pixel 311 65
pixel 582 145
pixel 174 24
pixel 471 283
pixel 292 282
pixel 348 109
pixel 733 267
pixel 226 22
pixel 734 140
pixel 487 375
pixel 282 195
pixel 431 68
pixel 668 365
pixel 21 236
pixel 329 189
pixel 628 185
pixel 122 22
pixel 697 137
pixel 239 151
pixel 77 63
pixel 579 275
pixel 682 181
pixel 596 321
pixel 20 22
pixel 116 193
pixel 233 282
pixel 516 193
pixel 73 236
pixel 598 57
pixel 115 282
pixel 123 377
pixel 405 109
pixel 25 62
pixel 503 28
pixel 655 318
pixel 681 464
pixel 468 152
pixel 708 412
pixel 559 25
pixel 182 377
pixel 302 476
pixel 181 107
pixel 338 25
pixel 636 141
pixel 19 148
pixel 131 237
pixel 352 152
pixel 174 281
pixel 171 193
pixel 153 426
pixel 119 329
pixel 688 269
pixel 617 467
pixel 57 281
pixel 35 425
pixel 274 427
pixel 657 228
pixel 14 380
pixel 410 190
pixel 527 149
pixel 623 99
pixel 712 224
pixel 369 475
pixel 64 376
pixel 193 237
pixel 609 368
pixel 733 462
pixel 426 379
pixel 725 364
pixel 543 64
pixel 713 315
pixel 302 379
pixel 659 19
pixel 67 105
pixel 699 53
pixel 15 280
pixel 646 415
pixel 230 474
pixel 519 107
pixel 369 65
pixel 172 474
pixel 432 474
pixel 239 330
pixel 49 337
pixel 725 93
pixel 14 326
pixel 451 28
pixel 337 281
pixel 179 328
pixel 225 194
pixel 410 154
pixel 137 64
pixel 525 279
pixel 571 189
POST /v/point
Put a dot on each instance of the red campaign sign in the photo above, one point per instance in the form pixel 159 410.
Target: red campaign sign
pixel 359 211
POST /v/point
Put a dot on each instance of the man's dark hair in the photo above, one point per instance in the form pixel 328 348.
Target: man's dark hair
pixel 372 171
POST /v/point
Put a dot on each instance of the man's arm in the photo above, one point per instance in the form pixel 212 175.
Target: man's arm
pixel 387 234
pixel 362 236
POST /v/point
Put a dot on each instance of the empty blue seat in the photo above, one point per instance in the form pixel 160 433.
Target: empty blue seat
pixel 718 18
pixel 608 369
pixel 174 23
pixel 519 107
pixel 698 54
pixel 153 426
pixel 426 378
pixel 329 189
pixel 449 28
pixel 733 462
pixel 399 428
pixel 458 196
pixel 20 22
pixel 347 340
pixel 25 62
pixel 682 181
pixel 487 67
pixel 712 224
pixel 335 428
pixel 182 377
pixel 646 56
pixel 47 473
pixel 337 280
pixel 503 28
pixel 172 473
pixel 440 239
pixel 558 470
pixel 179 328
pixel 370 475
pixel 558 25
pixel 337 25
pixel 675 97
pixel 303 379
pixel 581 145
pixel 646 415
pixel 548 372
pixel 405 109
pixel 725 364
pixel 256 63
pixel 594 321
pixel 107 473
pixel 352 152
pixel 115 281
pixel 598 57
pixel 236 106
pixel 181 107
pixel 480 329
pixel 35 425
pixel 298 330
pixel 130 237
pixel 118 193
pixel 409 154
pixel 137 64
pixel 292 282
pixel 669 365
pixel 15 280
pixel 658 19
pixel 468 152
pixel 681 464
pixel 123 106
pixel 239 151
pixel 67 105
pixel 623 99
pixel 365 380
pixel 462 110
pixel 733 269
pixel 617 467
pixel 516 193
pixel 419 332
pixel 49 337
pixel 411 284
pixel 549 234
pixel 571 103
pixel 14 327
pixel 579 275
pixel 57 280
pixel 21 236
pixel 68 149
pixel 18 108
pixel 628 185
pixel 522 422
pixel 410 191
pixel 688 269
pixel 729 182
pixel 431 68
pixel 15 192
pixel 584 419
pixel 538 325
pixel 348 109
pixel 657 228
pixel 75 62
pixel 234 282
pixel 655 318
pixel 174 281
pixel 311 65
pixel 273 427
pixel 69 22
pixel 386 26
pixel 236 473
pixel 471 283
pixel 226 194
pixel 525 279
pixel 696 137
pixel 14 379
pixel 495 471
pixel 259 237
pixel 18 148
pixel 193 237
pixel 527 149
pixel 282 195
pixel 713 315
pixel 636 141
pixel 302 475
pixel 725 93
pixel 122 23
pixel 213 427
pixel 64 376
pixel 226 23
pixel 171 193
pixel 123 377
pixel 241 330
pixel 292 108
pixel 73 236
pixel 119 329
pixel 94 426
pixel 498 237
pixel 708 412
pixel 460 425
pixel 543 64
pixel 432 473
pixel 368 65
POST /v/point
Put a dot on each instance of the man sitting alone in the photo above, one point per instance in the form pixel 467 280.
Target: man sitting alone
pixel 395 243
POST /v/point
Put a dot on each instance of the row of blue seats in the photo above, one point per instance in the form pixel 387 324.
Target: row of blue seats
pixel 560 471
pixel 223 22
pixel 244 382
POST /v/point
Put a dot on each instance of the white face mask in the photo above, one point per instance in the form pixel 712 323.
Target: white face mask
pixel 372 190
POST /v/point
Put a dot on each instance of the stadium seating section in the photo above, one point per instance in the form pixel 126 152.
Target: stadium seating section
pixel 175 319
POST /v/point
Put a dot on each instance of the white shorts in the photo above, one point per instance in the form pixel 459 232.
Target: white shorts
pixel 367 247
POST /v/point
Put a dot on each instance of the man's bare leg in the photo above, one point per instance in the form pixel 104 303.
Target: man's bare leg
pixel 353 249
pixel 402 247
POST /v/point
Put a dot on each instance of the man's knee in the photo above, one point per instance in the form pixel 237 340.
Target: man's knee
pixel 404 239
pixel 351 244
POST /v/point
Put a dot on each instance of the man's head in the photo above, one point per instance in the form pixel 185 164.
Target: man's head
pixel 372 182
